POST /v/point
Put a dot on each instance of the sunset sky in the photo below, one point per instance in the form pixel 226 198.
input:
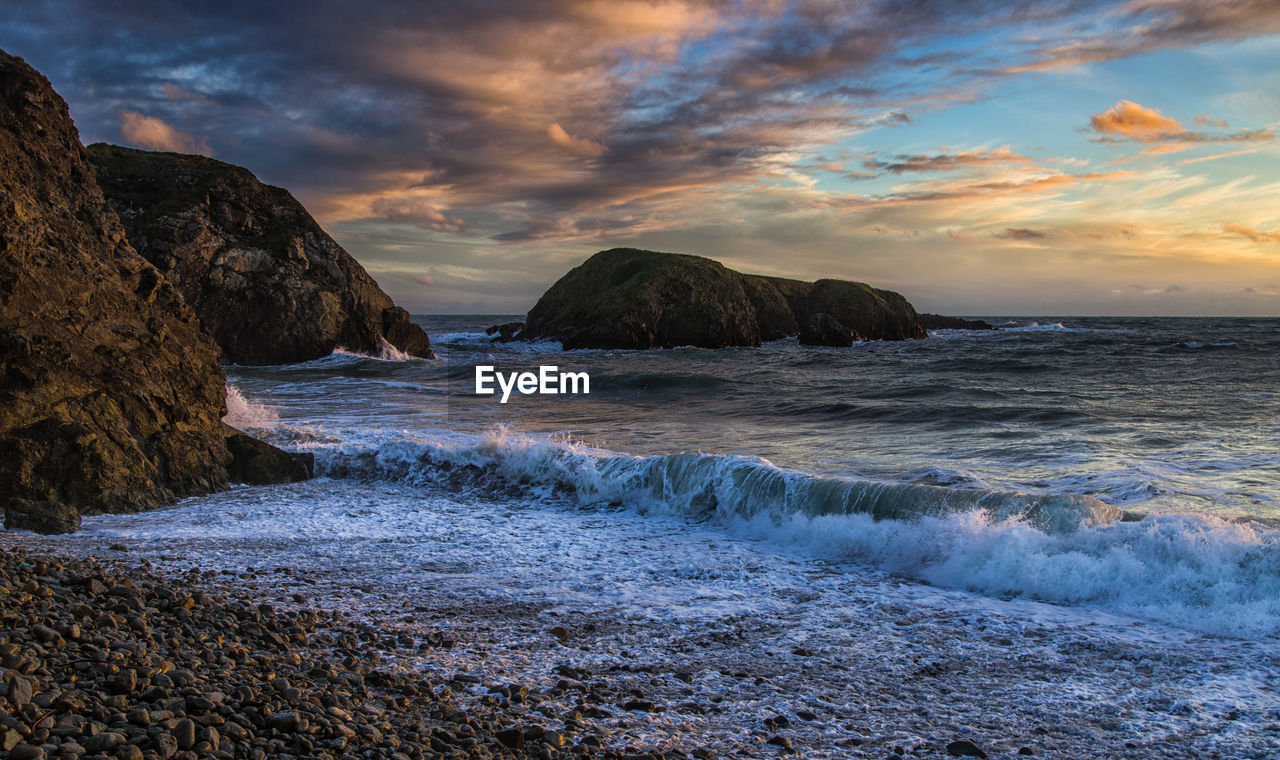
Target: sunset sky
pixel 981 157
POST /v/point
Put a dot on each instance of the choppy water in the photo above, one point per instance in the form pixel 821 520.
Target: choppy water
pixel 972 534
pixel 1013 463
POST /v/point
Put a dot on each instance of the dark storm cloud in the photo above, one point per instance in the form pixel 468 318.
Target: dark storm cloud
pixel 1020 233
pixel 1143 26
pixel 936 162
pixel 548 118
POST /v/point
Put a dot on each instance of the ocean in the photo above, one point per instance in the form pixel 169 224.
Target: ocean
pixel 1010 528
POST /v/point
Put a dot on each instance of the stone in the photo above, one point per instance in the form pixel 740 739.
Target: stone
pixel 165 745
pixel 639 705
pixel 103 742
pixel 964 748
pixel 184 733
pixel 268 284
pixel 284 721
pixel 111 397
pixel 124 682
pixel 259 463
pixel 26 752
pixel 511 737
pixel 20 689
pixel 9 739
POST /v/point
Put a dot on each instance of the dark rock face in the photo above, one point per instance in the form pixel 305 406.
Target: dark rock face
pixel 866 313
pixel 111 397
pixel 826 330
pixel 939 322
pixel 258 464
pixel 504 333
pixel 629 298
pixel 266 282
pixel 400 331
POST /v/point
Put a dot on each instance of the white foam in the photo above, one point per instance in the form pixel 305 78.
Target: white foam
pixel 387 353
pixel 247 415
pixel 1037 327
pixel 1197 572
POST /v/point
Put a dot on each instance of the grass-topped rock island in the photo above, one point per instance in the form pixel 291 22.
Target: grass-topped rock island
pixel 635 299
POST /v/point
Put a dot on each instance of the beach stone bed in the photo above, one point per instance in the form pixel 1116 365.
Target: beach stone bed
pixel 109 660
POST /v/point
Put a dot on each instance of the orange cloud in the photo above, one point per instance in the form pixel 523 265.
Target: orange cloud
pixel 1257 236
pixel 1166 148
pixel 1127 120
pixel 1000 188
pixel 1205 120
pixel 1130 120
pixel 576 145
pixel 417 213
pixel 1217 156
pixel 153 134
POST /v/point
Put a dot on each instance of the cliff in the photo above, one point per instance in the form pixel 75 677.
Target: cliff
pixel 111 397
pixel 266 281
pixel 630 298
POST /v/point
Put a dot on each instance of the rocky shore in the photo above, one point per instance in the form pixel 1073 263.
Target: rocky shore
pixel 108 659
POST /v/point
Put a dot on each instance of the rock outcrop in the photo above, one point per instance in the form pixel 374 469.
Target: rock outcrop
pixel 258 463
pixel 939 322
pixel 629 298
pixel 505 332
pixel 266 281
pixel 861 311
pixel 111 394
pixel 111 397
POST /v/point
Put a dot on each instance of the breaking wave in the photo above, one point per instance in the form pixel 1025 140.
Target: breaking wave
pixel 1196 571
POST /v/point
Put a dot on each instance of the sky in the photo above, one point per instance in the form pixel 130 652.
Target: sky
pixel 982 157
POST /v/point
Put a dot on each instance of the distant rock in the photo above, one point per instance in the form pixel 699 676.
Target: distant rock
pixel 111 397
pixel 636 299
pixel 266 281
pixel 504 333
pixel 628 298
pixel 939 322
pixel 837 307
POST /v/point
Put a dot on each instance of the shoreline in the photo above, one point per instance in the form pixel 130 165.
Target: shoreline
pixel 857 664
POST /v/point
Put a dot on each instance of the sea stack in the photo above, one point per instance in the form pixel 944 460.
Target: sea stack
pixel 636 299
pixel 268 284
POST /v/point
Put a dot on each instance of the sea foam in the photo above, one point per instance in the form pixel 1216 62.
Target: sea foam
pixel 1194 571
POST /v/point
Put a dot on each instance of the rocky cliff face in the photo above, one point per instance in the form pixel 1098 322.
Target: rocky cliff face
pixel 629 298
pixel 266 282
pixel 111 398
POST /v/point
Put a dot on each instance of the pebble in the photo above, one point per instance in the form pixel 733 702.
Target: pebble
pixel 120 662
pixel 965 748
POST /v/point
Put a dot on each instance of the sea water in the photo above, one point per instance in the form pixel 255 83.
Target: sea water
pixel 1085 506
